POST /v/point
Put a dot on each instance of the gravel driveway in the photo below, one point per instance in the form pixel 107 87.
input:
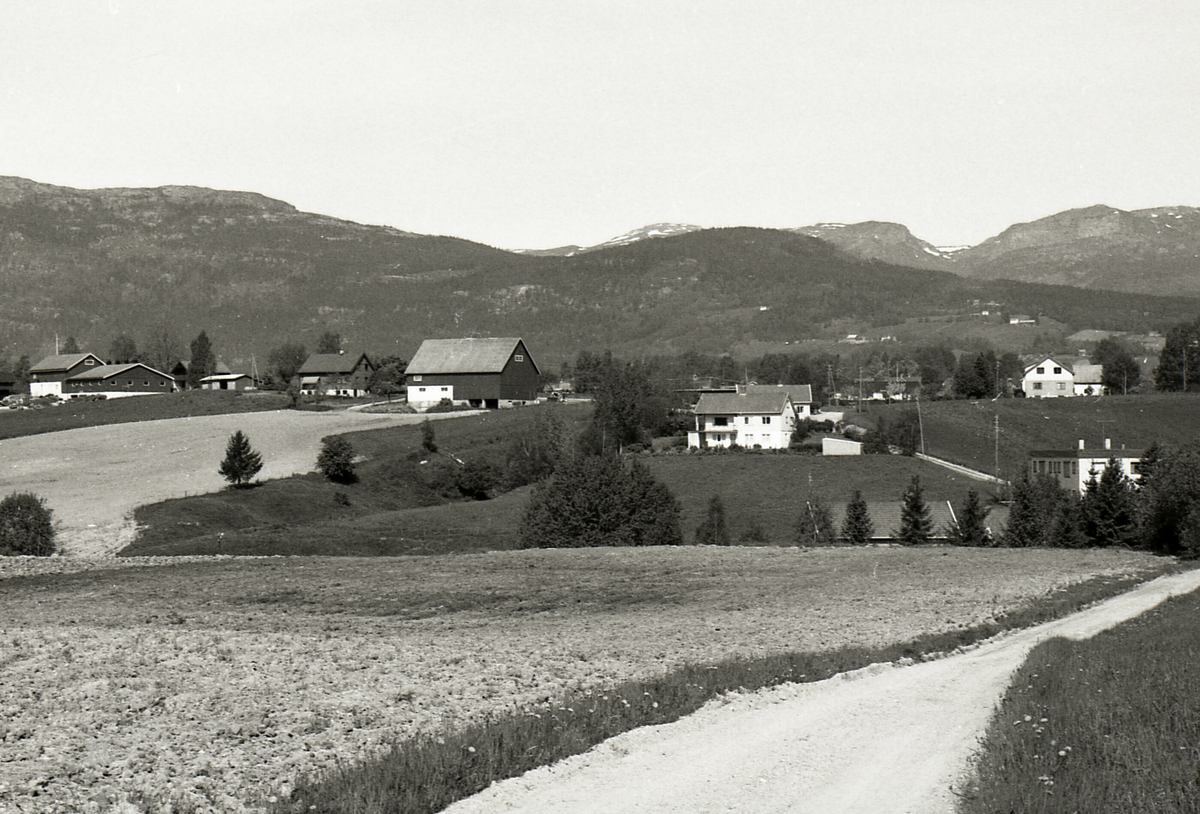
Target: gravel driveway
pixel 94 478
pixel 879 739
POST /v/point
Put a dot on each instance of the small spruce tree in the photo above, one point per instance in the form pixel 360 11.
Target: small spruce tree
pixel 711 530
pixel 857 528
pixel 971 528
pixel 916 527
pixel 241 462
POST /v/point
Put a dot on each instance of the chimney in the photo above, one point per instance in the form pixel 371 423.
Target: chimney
pixel 1108 443
pixel 1081 443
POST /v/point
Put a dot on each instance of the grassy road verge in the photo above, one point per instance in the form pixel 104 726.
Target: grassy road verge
pixel 1110 724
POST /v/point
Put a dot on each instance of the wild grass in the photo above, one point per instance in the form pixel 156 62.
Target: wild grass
pixel 1111 724
pixel 428 773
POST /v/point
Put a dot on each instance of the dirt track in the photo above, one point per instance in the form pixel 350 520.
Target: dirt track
pixel 881 739
pixel 93 478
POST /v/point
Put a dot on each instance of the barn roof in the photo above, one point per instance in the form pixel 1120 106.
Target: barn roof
pixel 469 355
pixel 319 364
pixel 62 361
pixel 108 371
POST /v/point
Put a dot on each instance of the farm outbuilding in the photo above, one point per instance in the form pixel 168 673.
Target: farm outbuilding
pixel 336 374
pixel 482 372
pixel 114 381
pixel 47 376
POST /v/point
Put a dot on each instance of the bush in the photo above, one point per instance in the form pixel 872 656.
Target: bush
pixel 26 526
pixel 477 479
pixel 336 459
pixel 596 501
pixel 711 530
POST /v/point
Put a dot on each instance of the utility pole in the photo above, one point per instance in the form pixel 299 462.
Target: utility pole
pixel 997 446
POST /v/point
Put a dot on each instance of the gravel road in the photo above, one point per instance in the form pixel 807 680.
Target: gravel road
pixel 895 739
pixel 94 478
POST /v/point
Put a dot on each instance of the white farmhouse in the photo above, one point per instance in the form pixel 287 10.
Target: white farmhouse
pixel 1048 378
pixel 763 420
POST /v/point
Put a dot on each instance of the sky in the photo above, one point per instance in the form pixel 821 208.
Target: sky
pixel 544 123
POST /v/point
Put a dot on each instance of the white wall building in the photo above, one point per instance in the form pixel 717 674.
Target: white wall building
pixel 1048 378
pixel 763 420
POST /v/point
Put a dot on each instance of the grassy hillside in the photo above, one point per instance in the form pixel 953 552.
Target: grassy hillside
pixel 965 431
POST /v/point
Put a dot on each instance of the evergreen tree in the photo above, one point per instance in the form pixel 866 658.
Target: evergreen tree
pixel 971 528
pixel 654 511
pixel 814 526
pixel 1108 508
pixel 1067 523
pixel 1025 520
pixel 857 528
pixel 241 462
pixel 712 530
pixel 1169 503
pixel 916 527
pixel 1179 362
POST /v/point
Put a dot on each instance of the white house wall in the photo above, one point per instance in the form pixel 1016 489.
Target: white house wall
pixel 422 396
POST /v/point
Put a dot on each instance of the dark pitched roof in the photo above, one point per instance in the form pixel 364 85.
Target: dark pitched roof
pixel 62 361
pixel 741 403
pixel 338 364
pixel 108 371
pixel 800 393
pixel 471 355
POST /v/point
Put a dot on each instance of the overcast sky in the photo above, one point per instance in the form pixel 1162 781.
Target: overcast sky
pixel 542 123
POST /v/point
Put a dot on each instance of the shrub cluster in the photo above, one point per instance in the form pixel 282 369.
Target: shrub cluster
pixel 597 500
pixel 26 526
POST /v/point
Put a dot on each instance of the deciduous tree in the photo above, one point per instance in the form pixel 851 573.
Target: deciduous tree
pixel 203 362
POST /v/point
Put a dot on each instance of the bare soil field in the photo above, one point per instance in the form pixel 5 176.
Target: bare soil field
pixel 93 478
pixel 215 684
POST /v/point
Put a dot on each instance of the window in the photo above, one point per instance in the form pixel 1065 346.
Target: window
pixel 1041 370
pixel 421 389
pixel 1037 385
pixel 518 357
pixel 1062 385
pixel 766 419
pixel 1057 371
pixel 720 421
pixel 417 378
pixel 746 420
pixel 89 362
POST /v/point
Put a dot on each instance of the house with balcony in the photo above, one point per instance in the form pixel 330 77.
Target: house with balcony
pixel 758 420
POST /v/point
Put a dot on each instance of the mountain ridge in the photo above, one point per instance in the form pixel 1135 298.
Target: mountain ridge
pixel 255 272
